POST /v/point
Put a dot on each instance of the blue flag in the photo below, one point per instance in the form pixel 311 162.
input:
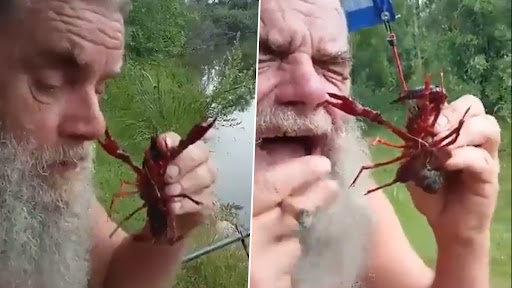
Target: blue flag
pixel 367 13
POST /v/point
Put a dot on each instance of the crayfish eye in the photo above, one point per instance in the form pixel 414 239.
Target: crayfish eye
pixel 155 153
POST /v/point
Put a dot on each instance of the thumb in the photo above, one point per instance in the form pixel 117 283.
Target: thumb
pixel 426 204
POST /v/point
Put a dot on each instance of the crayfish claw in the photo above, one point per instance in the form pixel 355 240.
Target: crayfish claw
pixel 107 134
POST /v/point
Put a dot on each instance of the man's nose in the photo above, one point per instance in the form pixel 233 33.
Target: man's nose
pixel 83 119
pixel 303 85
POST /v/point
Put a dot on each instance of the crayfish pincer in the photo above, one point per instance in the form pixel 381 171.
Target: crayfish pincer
pixel 149 184
pixel 422 154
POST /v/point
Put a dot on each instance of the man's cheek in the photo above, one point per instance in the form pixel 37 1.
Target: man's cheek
pixel 267 82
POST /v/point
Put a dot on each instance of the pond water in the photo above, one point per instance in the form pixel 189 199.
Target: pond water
pixel 231 143
pixel 233 150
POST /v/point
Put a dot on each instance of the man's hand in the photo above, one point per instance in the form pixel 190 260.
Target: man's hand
pixel 464 208
pixel 192 173
pixel 280 193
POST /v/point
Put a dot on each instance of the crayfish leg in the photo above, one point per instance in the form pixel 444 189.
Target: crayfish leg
pixel 383 142
pixel 381 187
pixel 455 133
pixel 184 196
pixel 127 218
pixel 441 80
pixel 377 165
pixel 175 240
pixel 120 195
pixel 171 232
pixel 355 109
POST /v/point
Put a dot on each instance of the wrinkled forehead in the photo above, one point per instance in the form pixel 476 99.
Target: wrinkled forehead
pixel 307 26
pixel 69 26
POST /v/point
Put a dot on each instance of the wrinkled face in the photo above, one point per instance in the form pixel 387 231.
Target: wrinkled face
pixel 56 58
pixel 54 70
pixel 304 54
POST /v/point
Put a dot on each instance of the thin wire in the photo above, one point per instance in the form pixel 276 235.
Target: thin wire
pixel 396 57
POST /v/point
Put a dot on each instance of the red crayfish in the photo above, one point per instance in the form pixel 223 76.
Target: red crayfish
pixel 421 154
pixel 149 183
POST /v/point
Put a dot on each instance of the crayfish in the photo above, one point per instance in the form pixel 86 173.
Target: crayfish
pixel 422 154
pixel 149 183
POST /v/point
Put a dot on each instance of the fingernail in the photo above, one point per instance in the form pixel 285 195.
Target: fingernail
pixel 174 189
pixel 326 164
pixel 168 142
pixel 442 121
pixel 176 206
pixel 173 171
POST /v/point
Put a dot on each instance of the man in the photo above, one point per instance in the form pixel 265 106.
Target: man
pixel 355 240
pixel 55 59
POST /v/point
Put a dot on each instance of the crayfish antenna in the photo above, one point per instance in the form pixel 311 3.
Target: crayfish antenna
pixel 441 80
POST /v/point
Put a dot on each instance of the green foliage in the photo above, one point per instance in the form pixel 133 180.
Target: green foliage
pixel 223 268
pixel 155 98
pixel 161 89
pixel 416 227
pixel 157 28
pixel 470 41
pixel 234 90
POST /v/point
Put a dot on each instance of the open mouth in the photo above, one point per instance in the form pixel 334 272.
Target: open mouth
pixel 287 147
pixel 64 166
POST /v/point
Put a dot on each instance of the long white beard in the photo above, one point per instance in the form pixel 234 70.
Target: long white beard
pixel 335 247
pixel 44 220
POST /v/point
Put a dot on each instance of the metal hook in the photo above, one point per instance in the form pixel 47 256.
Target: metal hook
pixel 384 16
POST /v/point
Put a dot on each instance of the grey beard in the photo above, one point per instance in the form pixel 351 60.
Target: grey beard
pixel 335 247
pixel 44 222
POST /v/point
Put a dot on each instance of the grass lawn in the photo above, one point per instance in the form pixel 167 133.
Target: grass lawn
pixel 135 108
pixel 419 232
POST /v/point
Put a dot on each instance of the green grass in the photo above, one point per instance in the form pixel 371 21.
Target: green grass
pixel 149 99
pixel 223 268
pixel 417 229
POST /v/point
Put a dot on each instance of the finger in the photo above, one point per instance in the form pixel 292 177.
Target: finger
pixel 475 161
pixel 427 204
pixel 274 225
pixel 167 140
pixel 483 131
pixel 452 113
pixel 192 157
pixel 319 194
pixel 271 186
pixel 194 182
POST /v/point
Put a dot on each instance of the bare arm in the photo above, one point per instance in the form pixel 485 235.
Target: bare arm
pixel 396 264
pixel 463 262
pixel 120 262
